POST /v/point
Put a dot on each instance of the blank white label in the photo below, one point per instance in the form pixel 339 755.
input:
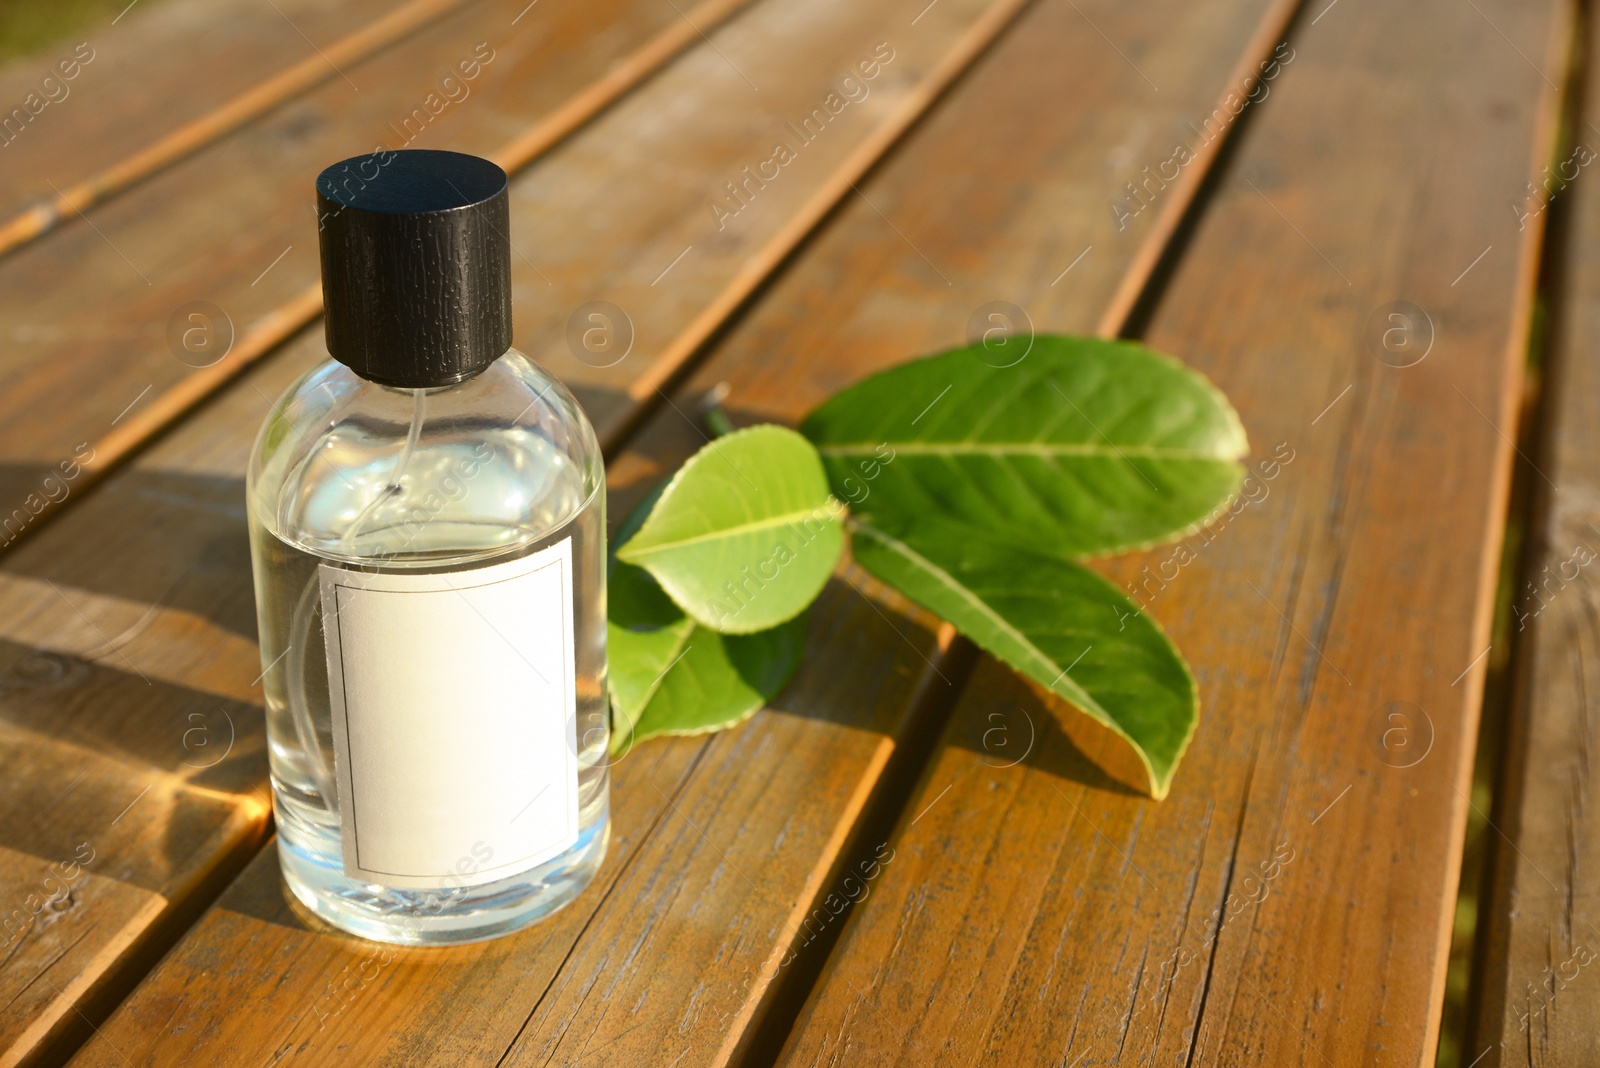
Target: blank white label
pixel 454 719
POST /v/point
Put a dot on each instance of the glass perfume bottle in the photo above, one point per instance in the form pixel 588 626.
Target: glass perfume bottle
pixel 427 526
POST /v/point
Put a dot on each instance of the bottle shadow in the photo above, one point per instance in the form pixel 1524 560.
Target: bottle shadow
pixel 171 539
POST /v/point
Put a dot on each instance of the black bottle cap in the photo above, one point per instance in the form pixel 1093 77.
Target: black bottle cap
pixel 416 265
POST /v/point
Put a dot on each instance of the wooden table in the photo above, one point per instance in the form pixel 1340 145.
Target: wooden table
pixel 1294 899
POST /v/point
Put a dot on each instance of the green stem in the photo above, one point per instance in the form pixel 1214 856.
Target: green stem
pixel 717 421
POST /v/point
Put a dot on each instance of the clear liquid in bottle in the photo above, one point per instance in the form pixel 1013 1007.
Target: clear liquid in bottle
pixel 461 498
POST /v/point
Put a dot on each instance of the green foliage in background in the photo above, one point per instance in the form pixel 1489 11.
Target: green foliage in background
pixel 974 490
pixel 27 26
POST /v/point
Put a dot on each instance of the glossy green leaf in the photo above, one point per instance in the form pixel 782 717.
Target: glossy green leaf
pixel 746 534
pixel 1053 620
pixel 668 674
pixel 1081 447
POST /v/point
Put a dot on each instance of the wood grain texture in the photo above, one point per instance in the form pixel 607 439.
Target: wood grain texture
pixel 1537 983
pixel 729 842
pixel 97 313
pixel 163 614
pixel 1290 902
pixel 196 72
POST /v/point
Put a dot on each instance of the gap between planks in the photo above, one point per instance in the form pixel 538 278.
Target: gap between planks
pixel 956 658
pixel 276 327
pixel 279 325
pixel 194 135
pixel 1531 709
pixel 1547 129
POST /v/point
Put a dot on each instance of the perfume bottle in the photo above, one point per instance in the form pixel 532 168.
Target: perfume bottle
pixel 427 527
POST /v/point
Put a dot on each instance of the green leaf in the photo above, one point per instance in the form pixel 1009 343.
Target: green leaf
pixel 669 675
pixel 1082 447
pixel 691 680
pixel 746 533
pixel 1051 619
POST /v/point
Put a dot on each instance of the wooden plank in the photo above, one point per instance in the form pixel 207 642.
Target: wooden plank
pixel 1537 999
pixel 726 843
pixel 1290 902
pixel 137 109
pixel 175 595
pixel 228 225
